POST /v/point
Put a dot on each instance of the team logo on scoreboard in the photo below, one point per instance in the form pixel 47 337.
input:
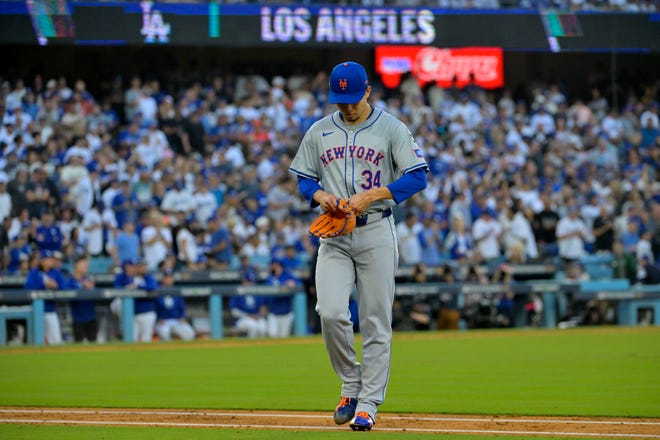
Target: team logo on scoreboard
pixel 154 29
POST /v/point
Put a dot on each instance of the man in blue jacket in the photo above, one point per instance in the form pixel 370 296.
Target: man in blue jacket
pixel 171 314
pixel 280 308
pixel 46 276
pixel 249 311
pixel 135 276
pixel 48 235
pixel 83 312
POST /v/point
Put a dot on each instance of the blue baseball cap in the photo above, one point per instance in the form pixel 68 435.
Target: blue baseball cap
pixel 250 275
pixel 46 253
pixel 348 82
pixel 134 261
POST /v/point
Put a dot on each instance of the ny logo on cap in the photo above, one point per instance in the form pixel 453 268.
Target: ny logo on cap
pixel 343 84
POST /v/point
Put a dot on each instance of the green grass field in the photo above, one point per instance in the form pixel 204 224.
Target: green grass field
pixel 589 372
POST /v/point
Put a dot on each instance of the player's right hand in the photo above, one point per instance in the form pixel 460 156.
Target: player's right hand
pixel 327 201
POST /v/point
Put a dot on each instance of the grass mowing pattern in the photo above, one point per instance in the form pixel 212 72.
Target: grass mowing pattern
pixel 604 371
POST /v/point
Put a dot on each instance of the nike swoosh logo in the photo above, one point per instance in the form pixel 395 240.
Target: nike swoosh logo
pixel 325 133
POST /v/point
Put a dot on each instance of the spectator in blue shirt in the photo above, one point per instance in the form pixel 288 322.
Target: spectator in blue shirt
pixel 135 276
pixel 459 243
pixel 124 204
pixel 19 253
pixel 127 244
pixel 630 237
pixel 280 307
pixel 291 258
pixel 430 238
pixel 83 312
pixel 220 246
pixel 48 235
pixel 46 276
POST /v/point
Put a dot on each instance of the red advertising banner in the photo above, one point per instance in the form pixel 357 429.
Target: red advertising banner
pixel 442 66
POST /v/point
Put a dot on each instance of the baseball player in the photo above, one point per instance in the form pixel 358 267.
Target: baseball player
pixel 280 308
pixel 83 312
pixel 249 311
pixel 171 314
pixel 135 276
pixel 47 276
pixel 369 158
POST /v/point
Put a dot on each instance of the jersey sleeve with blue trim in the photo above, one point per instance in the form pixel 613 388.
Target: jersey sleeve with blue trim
pixel 407 155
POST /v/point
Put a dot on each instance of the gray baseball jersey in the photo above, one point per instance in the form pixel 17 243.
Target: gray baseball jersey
pixel 349 159
pixel 345 160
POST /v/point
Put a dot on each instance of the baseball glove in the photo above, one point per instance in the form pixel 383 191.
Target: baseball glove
pixel 336 224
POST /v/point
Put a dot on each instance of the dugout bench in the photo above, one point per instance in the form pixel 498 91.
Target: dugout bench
pixel 33 312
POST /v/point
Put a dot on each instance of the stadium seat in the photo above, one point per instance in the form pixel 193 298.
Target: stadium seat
pixel 598 266
pixel 613 284
pixel 99 265
pixel 599 271
pixel 260 261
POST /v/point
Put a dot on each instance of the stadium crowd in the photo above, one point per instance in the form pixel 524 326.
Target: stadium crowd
pixel 194 177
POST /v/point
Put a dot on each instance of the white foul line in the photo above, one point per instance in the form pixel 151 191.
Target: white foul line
pixel 252 426
pixel 558 421
pixel 316 416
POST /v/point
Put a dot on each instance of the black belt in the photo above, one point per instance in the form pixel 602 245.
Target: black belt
pixel 369 218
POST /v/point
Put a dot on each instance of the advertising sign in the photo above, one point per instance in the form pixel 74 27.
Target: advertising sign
pixel 458 67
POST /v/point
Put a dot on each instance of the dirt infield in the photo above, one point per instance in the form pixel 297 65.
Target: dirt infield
pixel 300 421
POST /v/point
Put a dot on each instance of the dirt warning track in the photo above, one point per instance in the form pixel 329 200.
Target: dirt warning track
pixel 565 427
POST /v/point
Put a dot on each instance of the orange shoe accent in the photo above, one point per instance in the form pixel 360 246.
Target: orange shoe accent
pixel 343 402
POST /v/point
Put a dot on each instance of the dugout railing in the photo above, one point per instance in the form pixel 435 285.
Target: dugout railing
pixel 16 303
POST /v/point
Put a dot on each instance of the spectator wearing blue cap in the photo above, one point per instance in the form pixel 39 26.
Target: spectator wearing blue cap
pixel 291 258
pixel 48 235
pixel 124 203
pixel 280 308
pixel 19 254
pixel 171 313
pixel 220 250
pixel 630 238
pixel 41 191
pixel 134 276
pixel 648 272
pixel 47 277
